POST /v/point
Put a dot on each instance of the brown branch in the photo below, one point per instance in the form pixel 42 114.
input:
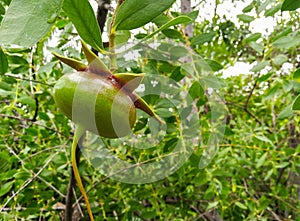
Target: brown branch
pixel 249 113
pixel 33 73
pixel 250 94
pixel 102 11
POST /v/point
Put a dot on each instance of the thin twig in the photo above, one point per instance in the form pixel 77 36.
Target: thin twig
pixel 250 94
pixel 30 120
pixel 249 113
pixel 30 80
pixel 33 173
pixel 28 181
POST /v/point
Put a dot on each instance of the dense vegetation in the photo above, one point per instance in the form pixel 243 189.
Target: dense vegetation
pixel 241 156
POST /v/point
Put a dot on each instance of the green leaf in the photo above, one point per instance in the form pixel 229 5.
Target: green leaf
pixel 5 188
pixel 5 86
pixel 257 47
pixel 248 8
pixel 5 93
pixel 290 5
pixel 260 66
pixel 215 66
pixel 272 11
pixel 252 37
pixel 245 18
pixel 296 104
pixel 172 33
pixel 135 13
pixel 3 62
pixel 161 20
pixel 82 16
pixel 280 59
pixel 27 101
pixel 272 92
pixel 269 174
pixel 296 75
pixel 176 21
pixel 212 205
pixel 196 91
pixel 283 165
pixel 2 10
pixel 178 51
pixel 177 75
pixel 241 205
pixel 264 77
pixel 212 82
pixel 261 160
pixel 264 139
pixel 26 21
pixel 202 38
pixel 122 37
pixel 287 42
pixel 286 112
pixel 193 15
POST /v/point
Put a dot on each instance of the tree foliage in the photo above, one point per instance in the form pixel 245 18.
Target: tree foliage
pixel 254 171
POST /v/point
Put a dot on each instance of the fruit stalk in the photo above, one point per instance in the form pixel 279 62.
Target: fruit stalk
pixel 79 131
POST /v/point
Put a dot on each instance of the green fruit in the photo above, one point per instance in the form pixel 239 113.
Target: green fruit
pixel 96 102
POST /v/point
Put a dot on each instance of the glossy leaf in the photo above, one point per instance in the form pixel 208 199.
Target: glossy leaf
pixel 27 21
pixel 82 16
pixel 135 13
pixel 290 5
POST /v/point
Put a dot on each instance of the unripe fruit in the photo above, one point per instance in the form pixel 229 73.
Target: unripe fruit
pixel 96 102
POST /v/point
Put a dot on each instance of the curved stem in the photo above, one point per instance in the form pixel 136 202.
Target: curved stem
pixel 78 133
pixel 70 191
